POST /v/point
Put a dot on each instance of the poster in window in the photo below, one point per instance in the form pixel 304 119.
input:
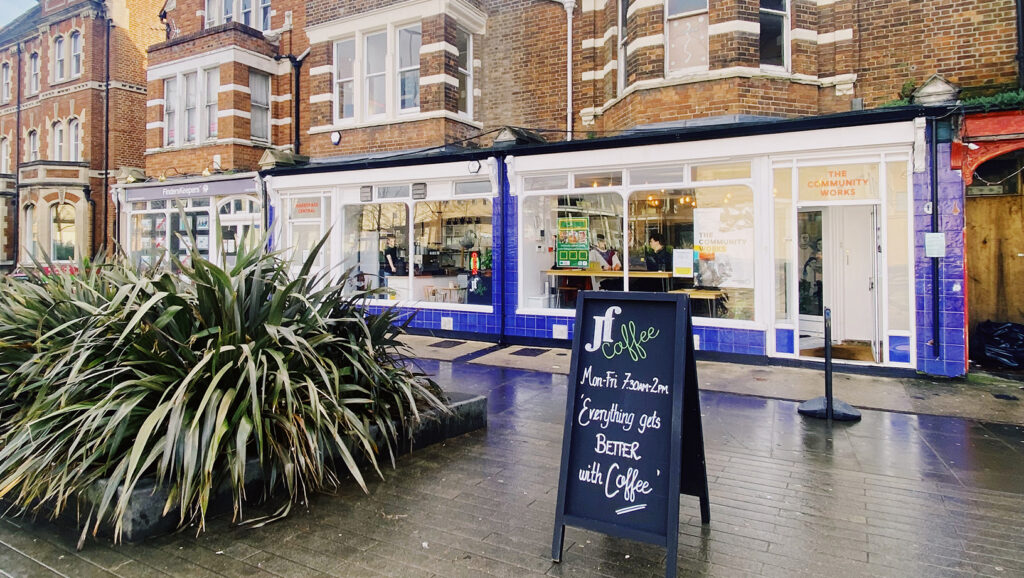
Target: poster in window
pixel 724 240
pixel 203 242
pixel 203 223
pixel 147 224
pixel 682 262
pixel 572 249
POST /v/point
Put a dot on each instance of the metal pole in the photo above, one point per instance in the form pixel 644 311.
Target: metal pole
pixel 828 363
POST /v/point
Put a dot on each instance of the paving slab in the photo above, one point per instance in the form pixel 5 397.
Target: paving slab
pixel 429 347
pixel 981 396
pixel 896 494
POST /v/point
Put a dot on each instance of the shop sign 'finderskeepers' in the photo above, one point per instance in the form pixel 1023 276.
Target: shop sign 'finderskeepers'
pixel 217 188
pixel 853 182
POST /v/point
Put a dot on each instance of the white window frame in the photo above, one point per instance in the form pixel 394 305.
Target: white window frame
pixel 31 240
pixel 171 116
pixel 5 80
pixel 33 67
pixel 338 80
pixel 469 74
pixel 76 54
pixel 622 20
pixel 399 70
pixel 190 108
pixel 59 59
pixel 33 145
pixel 5 155
pixel 57 134
pixel 210 104
pixel 54 210
pixel 74 140
pixel 786 36
pixel 244 14
pixel 217 12
pixel 264 13
pixel 668 19
pixel 252 116
pixel 365 92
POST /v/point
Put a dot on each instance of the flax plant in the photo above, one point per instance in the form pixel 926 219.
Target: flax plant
pixel 116 375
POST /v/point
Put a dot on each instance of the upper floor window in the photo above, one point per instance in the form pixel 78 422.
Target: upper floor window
pixel 62 235
pixel 409 41
pixel 344 79
pixel 58 58
pixel 464 43
pixel 76 54
pixel 191 108
pixel 33 145
pixel 774 28
pixel 5 82
pixel 33 71
pixel 5 156
pixel 375 50
pixel 254 13
pixel 74 140
pixel 212 93
pixel 259 87
pixel 687 30
pixel 170 110
pixel 57 134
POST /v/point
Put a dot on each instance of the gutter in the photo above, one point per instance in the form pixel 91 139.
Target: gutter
pixel 936 283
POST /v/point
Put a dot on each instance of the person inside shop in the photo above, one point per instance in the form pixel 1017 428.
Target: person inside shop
pixel 391 259
pixel 658 259
pixel 603 256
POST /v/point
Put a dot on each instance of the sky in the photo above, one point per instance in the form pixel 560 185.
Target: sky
pixel 11 9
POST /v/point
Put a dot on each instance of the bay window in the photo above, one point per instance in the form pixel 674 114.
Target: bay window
pixel 774 32
pixel 244 11
pixel 62 233
pixel 687 30
pixel 264 15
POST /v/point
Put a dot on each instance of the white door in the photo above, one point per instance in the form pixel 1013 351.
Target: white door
pixel 856 283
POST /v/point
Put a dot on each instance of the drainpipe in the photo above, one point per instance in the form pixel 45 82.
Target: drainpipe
pixel 16 165
pixel 936 283
pixel 106 142
pixel 502 196
pixel 570 5
pixel 296 73
pixel 1020 43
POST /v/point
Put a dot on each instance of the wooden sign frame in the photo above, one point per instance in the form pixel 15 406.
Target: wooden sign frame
pixel 687 469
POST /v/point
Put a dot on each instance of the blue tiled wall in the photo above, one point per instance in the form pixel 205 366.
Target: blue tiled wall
pixel 899 349
pixel 950 359
pixel 784 341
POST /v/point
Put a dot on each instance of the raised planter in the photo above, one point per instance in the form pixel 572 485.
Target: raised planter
pixel 143 518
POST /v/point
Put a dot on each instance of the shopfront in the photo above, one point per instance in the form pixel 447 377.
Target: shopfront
pixel 219 215
pixel 762 232
pixel 422 235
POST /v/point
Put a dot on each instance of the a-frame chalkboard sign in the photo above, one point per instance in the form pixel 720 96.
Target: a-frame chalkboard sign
pixel 633 439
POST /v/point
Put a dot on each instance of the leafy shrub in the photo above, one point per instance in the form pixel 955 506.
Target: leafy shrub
pixel 114 374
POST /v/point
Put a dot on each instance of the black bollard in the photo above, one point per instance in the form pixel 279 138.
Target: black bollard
pixel 827 407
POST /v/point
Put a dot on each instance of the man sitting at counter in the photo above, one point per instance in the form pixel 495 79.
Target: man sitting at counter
pixel 606 258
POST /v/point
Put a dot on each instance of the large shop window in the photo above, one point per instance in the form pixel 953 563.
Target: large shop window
pixel 687 28
pixel 306 228
pixel 375 247
pixel 453 251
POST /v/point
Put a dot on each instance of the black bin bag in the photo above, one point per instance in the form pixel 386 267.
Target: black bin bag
pixel 999 344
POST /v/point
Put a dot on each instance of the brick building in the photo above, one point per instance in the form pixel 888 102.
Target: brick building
pixel 383 122
pixel 56 146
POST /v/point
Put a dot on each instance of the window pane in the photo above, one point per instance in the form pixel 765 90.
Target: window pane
pixel 191 112
pixel 410 87
pixel 265 15
pixel 546 183
pixel 212 95
pixel 247 12
pixel 464 89
pixel 772 37
pixel 473 187
pixel 375 95
pixel 839 182
pixel 688 42
pixel 656 175
pixel 462 44
pixel 372 234
pixel 393 192
pixel 346 99
pixel 409 47
pixel 453 251
pixel 779 5
pixel 376 52
pixel 721 172
pixel 7 213
pixel 898 246
pixel 591 265
pixel 717 225
pixel 344 57
pixel 782 193
pixel 592 180
pixel 681 6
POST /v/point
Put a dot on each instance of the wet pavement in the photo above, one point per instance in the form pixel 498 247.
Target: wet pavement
pixel 894 495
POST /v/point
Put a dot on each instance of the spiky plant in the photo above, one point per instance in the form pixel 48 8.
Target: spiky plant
pixel 113 375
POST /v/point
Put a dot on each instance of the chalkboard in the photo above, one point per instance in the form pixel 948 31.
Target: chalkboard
pixel 633 439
